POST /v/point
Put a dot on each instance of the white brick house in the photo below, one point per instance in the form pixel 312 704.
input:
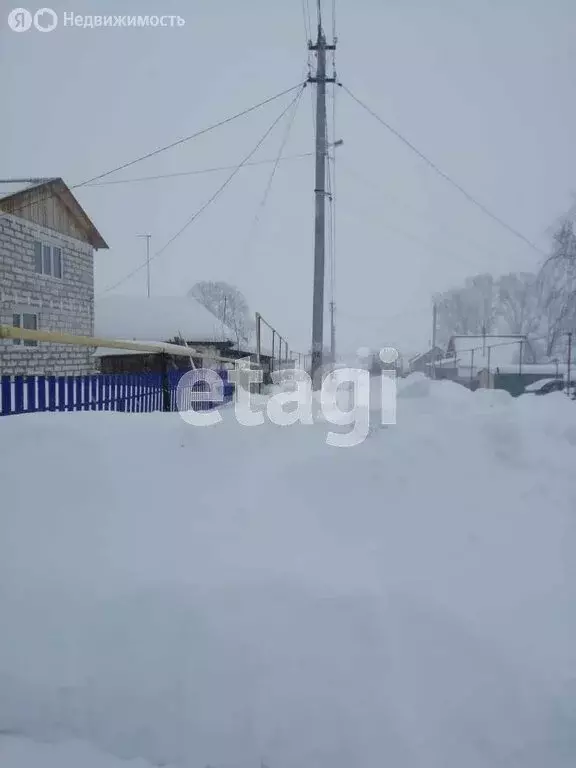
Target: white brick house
pixel 47 245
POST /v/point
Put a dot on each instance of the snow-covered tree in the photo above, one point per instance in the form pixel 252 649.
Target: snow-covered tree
pixel 226 303
pixel 557 287
pixel 518 308
pixel 466 310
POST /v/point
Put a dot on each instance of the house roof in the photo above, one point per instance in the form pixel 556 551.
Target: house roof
pixel 13 192
pixel 171 349
pixel 429 352
pixel 158 317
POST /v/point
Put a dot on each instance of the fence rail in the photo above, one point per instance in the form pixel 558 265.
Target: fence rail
pixel 131 393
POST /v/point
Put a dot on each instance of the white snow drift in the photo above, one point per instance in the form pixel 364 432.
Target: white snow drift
pixel 180 596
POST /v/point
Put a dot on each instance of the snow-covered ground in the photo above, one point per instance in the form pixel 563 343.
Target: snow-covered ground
pixel 179 596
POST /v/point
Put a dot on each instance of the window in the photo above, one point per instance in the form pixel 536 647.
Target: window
pixel 48 259
pixel 57 261
pixel 26 320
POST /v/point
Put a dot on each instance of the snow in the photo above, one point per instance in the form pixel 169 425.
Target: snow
pixel 224 596
pixel 158 317
pixel 536 385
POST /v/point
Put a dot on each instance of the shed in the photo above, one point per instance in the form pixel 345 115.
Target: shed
pixel 180 319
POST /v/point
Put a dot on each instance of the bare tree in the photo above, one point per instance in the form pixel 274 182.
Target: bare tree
pixel 518 303
pixel 557 286
pixel 480 298
pixel 466 310
pixel 226 303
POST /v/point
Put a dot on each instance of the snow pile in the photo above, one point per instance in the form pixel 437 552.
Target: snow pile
pixel 230 595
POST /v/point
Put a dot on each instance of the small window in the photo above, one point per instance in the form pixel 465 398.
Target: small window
pixel 26 320
pixel 48 259
pixel 38 257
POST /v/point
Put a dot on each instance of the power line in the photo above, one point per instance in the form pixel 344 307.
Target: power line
pixel 197 171
pixel 283 143
pixel 443 229
pixel 193 135
pixel 444 175
pixel 216 194
pixel 172 144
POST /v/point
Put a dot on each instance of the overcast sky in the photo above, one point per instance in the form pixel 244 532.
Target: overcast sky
pixel 486 89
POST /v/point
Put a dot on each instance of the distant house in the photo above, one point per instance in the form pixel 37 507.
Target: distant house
pixel 47 245
pixel 466 356
pixel 422 363
pixel 179 319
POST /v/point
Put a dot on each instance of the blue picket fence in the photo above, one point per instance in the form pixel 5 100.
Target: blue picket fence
pixel 132 393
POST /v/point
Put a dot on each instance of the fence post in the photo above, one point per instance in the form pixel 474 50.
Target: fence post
pixel 18 394
pixel 42 384
pixel 61 393
pixel 31 394
pixel 258 345
pixel 6 395
pixel 52 393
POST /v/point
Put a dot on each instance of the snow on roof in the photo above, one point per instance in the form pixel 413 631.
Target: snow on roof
pixel 158 317
pixel 174 349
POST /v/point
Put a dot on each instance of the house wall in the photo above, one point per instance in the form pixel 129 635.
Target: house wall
pixel 65 305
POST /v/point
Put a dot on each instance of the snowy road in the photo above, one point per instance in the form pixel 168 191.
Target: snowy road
pixel 190 597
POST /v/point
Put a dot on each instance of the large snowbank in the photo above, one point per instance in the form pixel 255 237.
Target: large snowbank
pixel 227 595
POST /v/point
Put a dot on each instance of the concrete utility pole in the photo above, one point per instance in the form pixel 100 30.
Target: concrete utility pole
pixel 568 377
pixel 147 263
pixel 320 198
pixel 332 334
pixel 434 324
